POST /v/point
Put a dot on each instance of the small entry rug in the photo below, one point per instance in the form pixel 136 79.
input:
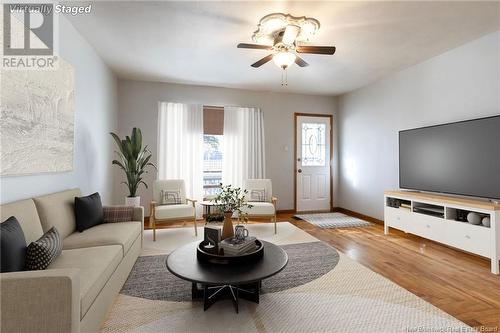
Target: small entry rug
pixel 333 220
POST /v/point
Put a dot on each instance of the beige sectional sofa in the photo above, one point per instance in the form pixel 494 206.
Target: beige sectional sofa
pixel 74 293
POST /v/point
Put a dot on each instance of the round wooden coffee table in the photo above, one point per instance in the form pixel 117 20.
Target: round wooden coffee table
pixel 212 282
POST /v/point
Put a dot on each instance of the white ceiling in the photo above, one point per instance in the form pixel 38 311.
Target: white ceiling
pixel 195 42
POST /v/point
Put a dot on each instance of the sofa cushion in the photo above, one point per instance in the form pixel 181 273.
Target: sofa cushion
pixel 42 252
pixel 13 246
pixel 174 211
pixel 96 265
pixel 118 233
pixel 57 210
pixel 88 211
pixel 27 216
pixel 260 208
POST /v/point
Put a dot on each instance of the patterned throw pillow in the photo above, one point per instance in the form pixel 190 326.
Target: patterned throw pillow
pixel 171 197
pixel 118 214
pixel 42 252
pixel 258 195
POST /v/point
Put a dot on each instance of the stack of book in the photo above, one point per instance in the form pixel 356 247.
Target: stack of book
pixel 235 247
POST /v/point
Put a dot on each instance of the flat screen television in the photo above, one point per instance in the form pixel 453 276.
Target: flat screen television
pixel 460 158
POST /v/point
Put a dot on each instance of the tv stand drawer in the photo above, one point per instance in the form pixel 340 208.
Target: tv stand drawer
pixel 428 227
pixel 471 238
pixel 397 217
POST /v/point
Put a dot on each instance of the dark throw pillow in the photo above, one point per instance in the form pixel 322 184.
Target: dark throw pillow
pixel 88 211
pixel 13 246
pixel 42 252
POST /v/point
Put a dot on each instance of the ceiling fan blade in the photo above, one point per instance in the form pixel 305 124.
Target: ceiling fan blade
pixel 254 46
pixel 291 32
pixel 316 49
pixel 301 62
pixel 262 61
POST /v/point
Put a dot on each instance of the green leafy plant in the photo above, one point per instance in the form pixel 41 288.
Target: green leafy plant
pixel 232 199
pixel 133 159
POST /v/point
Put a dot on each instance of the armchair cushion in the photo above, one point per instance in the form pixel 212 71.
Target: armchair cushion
pixel 259 208
pixel 264 185
pixel 169 185
pixel 174 211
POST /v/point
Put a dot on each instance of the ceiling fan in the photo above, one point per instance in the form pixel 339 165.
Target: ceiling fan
pixel 286 33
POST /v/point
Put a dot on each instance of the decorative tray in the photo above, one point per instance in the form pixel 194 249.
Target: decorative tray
pixel 219 259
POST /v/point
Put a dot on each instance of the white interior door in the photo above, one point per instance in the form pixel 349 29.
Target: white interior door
pixel 313 163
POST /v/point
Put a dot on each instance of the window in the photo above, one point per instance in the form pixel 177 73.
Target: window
pixel 213 124
pixel 212 164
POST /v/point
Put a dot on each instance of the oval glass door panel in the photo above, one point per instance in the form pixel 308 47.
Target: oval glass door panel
pixel 313 144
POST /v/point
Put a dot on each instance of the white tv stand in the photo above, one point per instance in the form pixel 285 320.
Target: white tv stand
pixel 434 217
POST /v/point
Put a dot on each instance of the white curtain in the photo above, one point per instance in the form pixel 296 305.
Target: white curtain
pixel 243 147
pixel 180 145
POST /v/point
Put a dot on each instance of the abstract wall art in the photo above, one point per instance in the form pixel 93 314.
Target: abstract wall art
pixel 37 120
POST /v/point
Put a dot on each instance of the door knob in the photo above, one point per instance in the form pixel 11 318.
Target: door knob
pixel 299 171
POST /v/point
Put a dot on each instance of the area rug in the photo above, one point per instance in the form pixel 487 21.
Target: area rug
pixel 149 278
pixel 333 220
pixel 321 290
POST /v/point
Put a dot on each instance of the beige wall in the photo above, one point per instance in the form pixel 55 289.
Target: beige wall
pixel 138 107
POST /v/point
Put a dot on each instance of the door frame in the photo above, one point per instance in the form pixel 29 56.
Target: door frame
pixel 295 116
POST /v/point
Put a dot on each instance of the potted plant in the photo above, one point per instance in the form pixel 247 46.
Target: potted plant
pixel 133 160
pixel 231 199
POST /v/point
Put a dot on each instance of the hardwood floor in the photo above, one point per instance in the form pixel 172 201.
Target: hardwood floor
pixel 458 283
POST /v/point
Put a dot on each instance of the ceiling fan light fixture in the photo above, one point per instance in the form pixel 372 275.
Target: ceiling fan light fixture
pixel 271 24
pixel 308 29
pixel 291 32
pixel 284 59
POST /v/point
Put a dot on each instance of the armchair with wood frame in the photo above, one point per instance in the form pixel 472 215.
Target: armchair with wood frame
pixel 260 197
pixel 170 204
